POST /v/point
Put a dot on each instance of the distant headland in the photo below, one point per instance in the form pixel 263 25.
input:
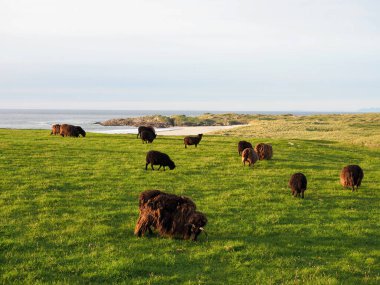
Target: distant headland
pixel 206 119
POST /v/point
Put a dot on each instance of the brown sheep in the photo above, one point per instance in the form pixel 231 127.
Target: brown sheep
pixel 242 145
pixel 298 184
pixel 351 176
pixel 55 129
pixel 192 140
pixel 71 131
pixel 143 128
pixel 264 151
pixel 170 215
pixel 250 156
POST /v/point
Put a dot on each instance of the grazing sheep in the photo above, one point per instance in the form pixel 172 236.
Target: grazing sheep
pixel 147 136
pixel 71 131
pixel 242 145
pixel 55 129
pixel 351 176
pixel 170 215
pixel 143 128
pixel 264 151
pixel 80 131
pixel 298 184
pixel 192 140
pixel 250 156
pixel 158 158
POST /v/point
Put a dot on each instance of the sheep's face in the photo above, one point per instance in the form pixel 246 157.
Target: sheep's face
pixel 171 165
pixel 195 226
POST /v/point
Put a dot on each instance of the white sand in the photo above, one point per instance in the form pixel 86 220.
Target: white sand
pixel 175 131
pixel 184 131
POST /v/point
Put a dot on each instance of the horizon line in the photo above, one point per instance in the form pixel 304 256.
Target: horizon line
pixel 365 110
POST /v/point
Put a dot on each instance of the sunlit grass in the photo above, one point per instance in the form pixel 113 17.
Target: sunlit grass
pixel 357 129
pixel 68 208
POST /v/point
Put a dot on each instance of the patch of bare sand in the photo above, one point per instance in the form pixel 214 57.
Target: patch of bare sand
pixel 189 131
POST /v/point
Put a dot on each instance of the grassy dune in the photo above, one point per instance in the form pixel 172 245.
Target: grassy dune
pixel 68 208
pixel 358 129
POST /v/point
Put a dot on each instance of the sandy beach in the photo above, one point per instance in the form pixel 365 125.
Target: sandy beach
pixel 183 131
pixel 174 131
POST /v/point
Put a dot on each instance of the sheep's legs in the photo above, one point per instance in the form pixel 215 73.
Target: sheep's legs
pixel 302 194
pixel 146 166
pixel 141 227
pixel 159 167
pixel 152 166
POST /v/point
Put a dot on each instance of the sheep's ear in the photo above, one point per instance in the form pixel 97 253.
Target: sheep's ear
pixel 189 224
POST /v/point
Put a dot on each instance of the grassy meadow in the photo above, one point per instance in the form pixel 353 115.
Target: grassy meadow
pixel 68 207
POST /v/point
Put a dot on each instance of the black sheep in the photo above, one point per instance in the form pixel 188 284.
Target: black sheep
pixel 158 158
pixel 242 145
pixel 143 128
pixel 80 131
pixel 298 184
pixel 147 136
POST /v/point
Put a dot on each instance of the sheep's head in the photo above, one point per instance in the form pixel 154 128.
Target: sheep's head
pixel 171 165
pixel 195 225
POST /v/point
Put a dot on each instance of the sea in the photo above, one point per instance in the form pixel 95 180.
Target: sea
pixel 89 119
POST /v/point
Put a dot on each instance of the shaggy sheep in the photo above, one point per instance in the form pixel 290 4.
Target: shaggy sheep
pixel 170 215
pixel 351 176
pixel 264 151
pixel 80 131
pixel 192 140
pixel 158 158
pixel 71 131
pixel 298 184
pixel 250 156
pixel 147 136
pixel 143 128
pixel 242 145
pixel 55 129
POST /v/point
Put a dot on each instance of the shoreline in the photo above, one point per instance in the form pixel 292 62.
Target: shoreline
pixel 174 131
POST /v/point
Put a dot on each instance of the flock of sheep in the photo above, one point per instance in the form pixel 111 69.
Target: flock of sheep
pixel 176 216
pixel 66 130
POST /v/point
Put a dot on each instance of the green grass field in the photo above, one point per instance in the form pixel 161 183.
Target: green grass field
pixel 68 208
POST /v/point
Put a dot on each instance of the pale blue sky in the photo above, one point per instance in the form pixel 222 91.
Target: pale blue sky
pixel 202 55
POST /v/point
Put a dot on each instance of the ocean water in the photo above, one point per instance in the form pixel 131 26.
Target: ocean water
pixel 43 119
